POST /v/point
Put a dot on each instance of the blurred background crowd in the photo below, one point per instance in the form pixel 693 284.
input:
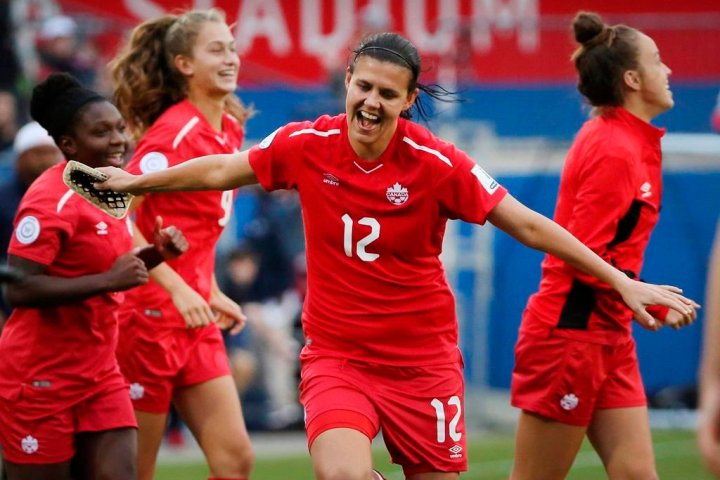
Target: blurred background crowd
pixel 509 60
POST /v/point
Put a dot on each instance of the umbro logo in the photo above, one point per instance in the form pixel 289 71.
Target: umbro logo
pixel 455 451
pixel 331 179
pixel 102 228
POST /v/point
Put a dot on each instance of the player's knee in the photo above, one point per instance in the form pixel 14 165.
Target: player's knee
pixel 232 461
pixel 633 471
pixel 343 472
pixel 118 470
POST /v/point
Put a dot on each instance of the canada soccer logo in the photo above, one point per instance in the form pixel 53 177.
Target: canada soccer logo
pixel 569 401
pixel 397 194
pixel 29 444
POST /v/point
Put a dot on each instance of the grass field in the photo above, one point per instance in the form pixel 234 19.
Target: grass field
pixel 490 459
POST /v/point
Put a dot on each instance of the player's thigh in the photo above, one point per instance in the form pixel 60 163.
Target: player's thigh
pixel 622 439
pixel 107 455
pixel 151 427
pixel 342 454
pixel 213 414
pixel 544 448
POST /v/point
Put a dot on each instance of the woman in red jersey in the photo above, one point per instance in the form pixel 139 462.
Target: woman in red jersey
pixel 376 191
pixel 62 396
pixel 175 83
pixel 709 424
pixel 576 370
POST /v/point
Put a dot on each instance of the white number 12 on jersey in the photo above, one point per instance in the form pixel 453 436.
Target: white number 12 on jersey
pixel 365 241
pixel 442 426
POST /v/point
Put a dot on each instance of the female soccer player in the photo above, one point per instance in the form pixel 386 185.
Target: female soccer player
pixel 376 191
pixel 174 82
pixel 62 396
pixel 709 422
pixel 576 370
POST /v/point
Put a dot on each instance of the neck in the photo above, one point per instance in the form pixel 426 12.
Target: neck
pixel 371 151
pixel 212 108
pixel 639 108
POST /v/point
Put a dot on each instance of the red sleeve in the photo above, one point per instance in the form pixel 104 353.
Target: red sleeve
pixel 40 230
pixel 275 160
pixel 468 193
pixel 154 152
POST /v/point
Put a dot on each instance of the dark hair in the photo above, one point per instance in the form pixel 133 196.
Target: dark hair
pixel 146 81
pixel 57 102
pixel 394 48
pixel 605 54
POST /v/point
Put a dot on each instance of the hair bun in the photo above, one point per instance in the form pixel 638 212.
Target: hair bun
pixel 47 93
pixel 587 26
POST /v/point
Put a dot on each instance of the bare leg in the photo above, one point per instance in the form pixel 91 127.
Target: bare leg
pixel 621 436
pixel 544 449
pixel 150 435
pixel 342 454
pixel 107 455
pixel 212 412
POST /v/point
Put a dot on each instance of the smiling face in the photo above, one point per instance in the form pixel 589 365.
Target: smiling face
pixel 377 93
pixel 98 138
pixel 651 87
pixel 214 65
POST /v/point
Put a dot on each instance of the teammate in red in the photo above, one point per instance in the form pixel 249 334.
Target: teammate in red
pixel 377 190
pixel 174 82
pixel 576 369
pixel 61 392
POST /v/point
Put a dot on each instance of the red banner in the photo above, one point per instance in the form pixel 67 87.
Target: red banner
pixel 299 41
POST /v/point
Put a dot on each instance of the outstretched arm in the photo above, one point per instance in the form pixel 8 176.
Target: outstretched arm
pixel 211 172
pixel 709 421
pixel 541 233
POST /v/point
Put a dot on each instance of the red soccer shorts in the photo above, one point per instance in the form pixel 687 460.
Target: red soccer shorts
pixel 35 431
pixel 567 380
pixel 420 410
pixel 158 362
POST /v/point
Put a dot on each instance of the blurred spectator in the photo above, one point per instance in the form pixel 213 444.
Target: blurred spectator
pixel 8 125
pixel 59 51
pixel 716 115
pixel 35 151
pixel 263 356
pixel 9 64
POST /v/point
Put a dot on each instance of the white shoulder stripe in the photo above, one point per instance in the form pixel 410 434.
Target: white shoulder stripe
pixel 428 150
pixel 185 130
pixel 319 133
pixel 63 200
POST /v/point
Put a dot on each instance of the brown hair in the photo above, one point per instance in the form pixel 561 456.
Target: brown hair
pixel 605 54
pixel 145 78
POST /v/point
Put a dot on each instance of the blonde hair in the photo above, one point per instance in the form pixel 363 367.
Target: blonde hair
pixel 145 79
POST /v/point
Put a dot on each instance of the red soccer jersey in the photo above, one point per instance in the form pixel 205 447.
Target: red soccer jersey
pixel 376 288
pixel 64 350
pixel 609 198
pixel 182 133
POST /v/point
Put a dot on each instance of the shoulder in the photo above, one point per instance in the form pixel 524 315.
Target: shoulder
pixel 172 127
pixel 49 193
pixel 603 137
pixel 421 143
pixel 323 127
